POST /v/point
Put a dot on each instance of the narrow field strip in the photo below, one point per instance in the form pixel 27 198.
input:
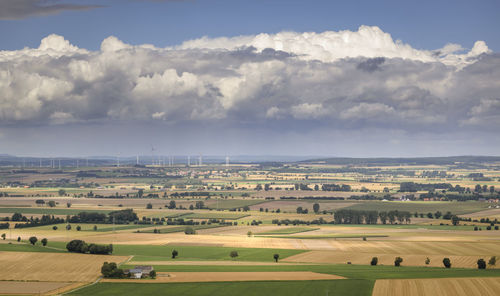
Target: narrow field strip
pixel 193 277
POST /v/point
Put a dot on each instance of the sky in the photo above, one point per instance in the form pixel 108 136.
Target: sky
pixel 322 78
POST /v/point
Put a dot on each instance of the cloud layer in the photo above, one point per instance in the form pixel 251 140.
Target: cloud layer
pixel 340 80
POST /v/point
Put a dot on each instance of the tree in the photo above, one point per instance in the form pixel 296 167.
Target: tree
pixel 276 257
pixel 95 227
pixel 111 270
pixel 77 246
pixel 427 261
pixel 455 220
pixel 33 240
pixel 438 214
pixel 258 187
pixel 174 254
pixel 54 227
pixel 172 204
pixel 44 242
pixel 149 206
pixel 492 261
pixel 316 187
pixel 51 203
pixel 299 210
pixel 246 208
pixel 397 261
pixel 152 274
pixel 316 208
pixel 68 227
pixel 191 207
pixel 78 228
pixel 249 234
pixel 3 236
pixel 233 254
pixel 374 261
pixel 481 264
pixel 447 262
pixel 68 204
pixel 18 239
pixel 61 192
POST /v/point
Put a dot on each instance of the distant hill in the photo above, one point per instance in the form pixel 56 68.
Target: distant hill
pixel 402 161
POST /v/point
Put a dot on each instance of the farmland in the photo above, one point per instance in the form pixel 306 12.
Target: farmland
pixel 242 216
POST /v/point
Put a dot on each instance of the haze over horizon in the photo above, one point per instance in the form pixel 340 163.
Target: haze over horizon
pixel 344 84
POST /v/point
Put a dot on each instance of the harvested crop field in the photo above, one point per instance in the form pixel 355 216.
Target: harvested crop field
pixel 383 259
pixel 185 277
pixel 438 287
pixel 11 287
pixel 211 263
pixel 54 267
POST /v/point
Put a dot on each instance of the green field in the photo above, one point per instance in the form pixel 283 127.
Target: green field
pixel 276 288
pixel 233 203
pixel 421 206
pixel 290 230
pixel 191 253
pixel 49 211
pixel 216 215
pixel 349 271
pixel 180 228
pixel 26 247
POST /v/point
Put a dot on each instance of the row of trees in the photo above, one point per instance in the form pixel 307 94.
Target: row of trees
pixel 481 263
pixel 346 216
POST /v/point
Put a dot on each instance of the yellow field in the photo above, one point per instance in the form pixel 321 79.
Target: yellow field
pixel 438 287
pixel 383 259
pixel 10 287
pixel 53 267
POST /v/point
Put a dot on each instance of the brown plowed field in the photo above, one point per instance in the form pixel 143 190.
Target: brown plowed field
pixel 438 287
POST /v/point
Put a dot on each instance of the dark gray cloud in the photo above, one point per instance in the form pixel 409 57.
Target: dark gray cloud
pixel 20 9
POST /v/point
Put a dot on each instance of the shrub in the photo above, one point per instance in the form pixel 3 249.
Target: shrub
pixel 481 264
pixel 427 261
pixel 397 261
pixel 174 254
pixel 33 240
pixel 447 262
pixel 233 254
pixel 189 230
pixel 100 249
pixel 374 261
pixel 249 234
pixel 3 236
pixel 44 242
pixel 492 261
